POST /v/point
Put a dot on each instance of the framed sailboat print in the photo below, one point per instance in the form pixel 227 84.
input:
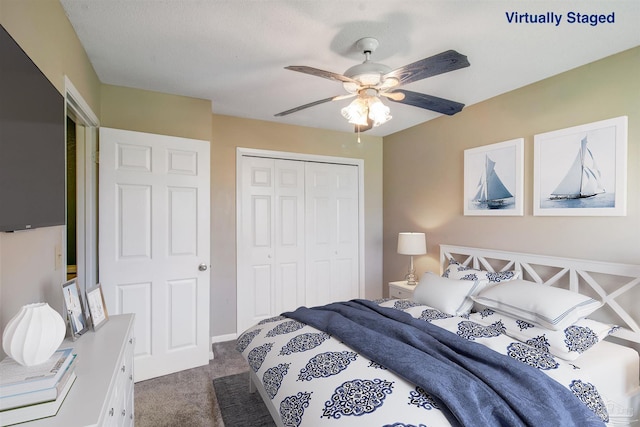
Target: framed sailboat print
pixel 581 170
pixel 493 179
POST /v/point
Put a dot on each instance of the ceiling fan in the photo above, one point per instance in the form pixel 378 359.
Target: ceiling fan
pixel 369 81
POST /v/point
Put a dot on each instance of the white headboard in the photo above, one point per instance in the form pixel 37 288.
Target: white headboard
pixel 616 285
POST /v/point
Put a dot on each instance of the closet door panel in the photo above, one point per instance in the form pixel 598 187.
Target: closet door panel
pixel 270 239
pixel 297 236
pixel 347 254
pixel 255 273
pixel 318 282
pixel 332 232
pixel 342 284
pixel 262 282
pixel 289 249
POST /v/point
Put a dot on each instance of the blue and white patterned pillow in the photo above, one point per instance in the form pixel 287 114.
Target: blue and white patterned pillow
pixel 455 270
pixel 567 344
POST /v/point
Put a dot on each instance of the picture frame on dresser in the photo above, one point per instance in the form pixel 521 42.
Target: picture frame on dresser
pixel 74 309
pixel 581 170
pixel 494 179
pixel 97 307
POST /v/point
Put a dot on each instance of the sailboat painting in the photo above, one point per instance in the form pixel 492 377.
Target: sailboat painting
pixel 581 170
pixel 493 179
pixel 583 179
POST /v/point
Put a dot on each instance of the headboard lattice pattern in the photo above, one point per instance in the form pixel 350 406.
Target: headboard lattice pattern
pixel 593 278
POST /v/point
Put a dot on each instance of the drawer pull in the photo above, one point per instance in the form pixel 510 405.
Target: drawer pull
pixel 124 412
pixel 111 412
pixel 123 368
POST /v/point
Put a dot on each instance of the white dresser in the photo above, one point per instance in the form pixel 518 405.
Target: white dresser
pixel 102 394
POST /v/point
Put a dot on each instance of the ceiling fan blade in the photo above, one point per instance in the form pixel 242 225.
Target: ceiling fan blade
pixel 345 96
pixel 321 73
pixel 396 96
pixel 429 102
pixel 428 67
pixel 313 104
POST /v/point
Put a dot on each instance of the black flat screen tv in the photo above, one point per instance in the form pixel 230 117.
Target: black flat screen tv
pixel 32 143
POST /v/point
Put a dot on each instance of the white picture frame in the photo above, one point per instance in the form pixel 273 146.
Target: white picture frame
pixel 499 169
pixel 74 309
pixel 581 170
pixel 97 307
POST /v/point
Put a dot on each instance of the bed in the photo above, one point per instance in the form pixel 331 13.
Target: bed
pixel 496 338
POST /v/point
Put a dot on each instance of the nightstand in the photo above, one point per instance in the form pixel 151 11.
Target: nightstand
pixel 401 290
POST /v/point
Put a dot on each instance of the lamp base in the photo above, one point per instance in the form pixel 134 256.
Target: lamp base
pixel 411 279
pixel 411 275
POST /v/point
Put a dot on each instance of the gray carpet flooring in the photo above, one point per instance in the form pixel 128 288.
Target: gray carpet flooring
pixel 187 398
pixel 241 408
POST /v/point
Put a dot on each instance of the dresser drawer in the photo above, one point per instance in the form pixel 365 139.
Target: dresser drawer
pixel 400 290
pixel 119 411
pixel 400 293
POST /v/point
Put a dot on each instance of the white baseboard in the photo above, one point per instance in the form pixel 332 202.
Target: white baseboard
pixel 223 338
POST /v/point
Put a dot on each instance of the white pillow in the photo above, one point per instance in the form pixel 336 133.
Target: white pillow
pixel 567 344
pixel 553 308
pixel 447 295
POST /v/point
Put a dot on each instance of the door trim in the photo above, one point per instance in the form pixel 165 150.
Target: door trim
pixel 86 197
pixel 285 155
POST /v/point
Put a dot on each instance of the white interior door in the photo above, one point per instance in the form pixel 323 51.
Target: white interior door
pixel 154 245
pixel 270 238
pixel 86 206
pixel 332 224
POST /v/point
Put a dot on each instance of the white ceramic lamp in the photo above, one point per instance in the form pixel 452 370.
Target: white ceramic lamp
pixel 412 244
pixel 34 334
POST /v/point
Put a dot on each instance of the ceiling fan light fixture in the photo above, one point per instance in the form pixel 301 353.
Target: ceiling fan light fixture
pixel 369 81
pixel 378 112
pixel 365 108
pixel 368 73
pixel 351 87
pixel 356 112
pixel 389 83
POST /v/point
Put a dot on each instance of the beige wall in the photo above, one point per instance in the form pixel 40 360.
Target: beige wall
pixel 431 200
pixel 232 132
pixel 153 112
pixel 43 31
pixel 28 269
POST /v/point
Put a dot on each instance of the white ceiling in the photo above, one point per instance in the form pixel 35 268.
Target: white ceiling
pixel 233 52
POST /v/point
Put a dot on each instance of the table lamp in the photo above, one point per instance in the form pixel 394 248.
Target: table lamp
pixel 412 244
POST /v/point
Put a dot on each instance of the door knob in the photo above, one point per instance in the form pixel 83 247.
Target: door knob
pixel 202 267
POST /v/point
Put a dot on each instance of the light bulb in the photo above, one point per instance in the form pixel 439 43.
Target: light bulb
pixel 356 112
pixel 378 112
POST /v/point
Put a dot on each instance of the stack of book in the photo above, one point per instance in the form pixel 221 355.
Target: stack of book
pixel 31 392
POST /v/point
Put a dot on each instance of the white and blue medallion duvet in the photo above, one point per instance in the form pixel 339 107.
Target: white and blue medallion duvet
pixel 314 378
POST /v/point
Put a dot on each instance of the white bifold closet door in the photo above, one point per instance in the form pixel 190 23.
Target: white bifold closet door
pixel 271 240
pixel 297 236
pixel 331 214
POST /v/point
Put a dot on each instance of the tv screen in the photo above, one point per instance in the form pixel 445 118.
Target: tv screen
pixel 32 143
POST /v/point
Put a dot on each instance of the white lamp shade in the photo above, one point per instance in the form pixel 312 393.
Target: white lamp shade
pixel 412 244
pixel 34 334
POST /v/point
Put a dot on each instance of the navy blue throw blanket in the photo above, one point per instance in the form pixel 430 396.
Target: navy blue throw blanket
pixel 475 385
